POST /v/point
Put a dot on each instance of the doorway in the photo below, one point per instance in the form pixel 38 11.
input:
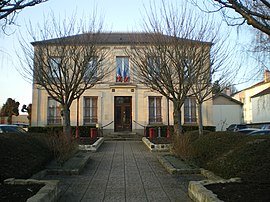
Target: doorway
pixel 122 113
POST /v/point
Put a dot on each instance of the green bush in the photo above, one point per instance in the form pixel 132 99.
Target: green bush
pixel 22 155
pixel 228 154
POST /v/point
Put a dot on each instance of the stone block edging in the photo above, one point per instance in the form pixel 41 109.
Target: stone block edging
pixel 172 170
pixel 93 147
pixel 156 147
pixel 49 193
pixel 198 192
pixel 196 189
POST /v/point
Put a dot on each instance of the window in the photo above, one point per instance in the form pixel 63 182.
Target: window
pixel 122 69
pixel 155 110
pixel 90 110
pixel 54 112
pixel 190 110
pixel 54 64
pixel 153 64
pixel 91 70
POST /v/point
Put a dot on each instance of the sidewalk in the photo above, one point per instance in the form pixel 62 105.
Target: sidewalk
pixel 123 171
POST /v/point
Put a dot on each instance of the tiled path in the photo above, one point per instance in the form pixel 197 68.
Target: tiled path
pixel 123 171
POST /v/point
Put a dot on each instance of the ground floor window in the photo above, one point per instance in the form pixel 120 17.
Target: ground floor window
pixel 90 110
pixel 155 110
pixel 54 112
pixel 190 110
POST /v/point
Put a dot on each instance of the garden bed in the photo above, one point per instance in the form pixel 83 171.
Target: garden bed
pixel 156 145
pixel 91 144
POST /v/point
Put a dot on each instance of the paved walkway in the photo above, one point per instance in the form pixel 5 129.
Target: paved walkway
pixel 123 171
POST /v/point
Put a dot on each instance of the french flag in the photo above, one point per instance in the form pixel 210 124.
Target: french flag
pixel 118 75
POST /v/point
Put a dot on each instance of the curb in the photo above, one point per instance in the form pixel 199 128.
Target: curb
pixel 73 166
pixel 172 170
pixel 196 189
pixel 49 193
pixel 93 147
pixel 156 147
pixel 198 192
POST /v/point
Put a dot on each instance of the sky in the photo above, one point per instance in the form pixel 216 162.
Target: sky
pixel 118 15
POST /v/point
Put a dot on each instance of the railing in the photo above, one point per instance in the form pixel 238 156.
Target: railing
pixel 100 129
pixel 144 127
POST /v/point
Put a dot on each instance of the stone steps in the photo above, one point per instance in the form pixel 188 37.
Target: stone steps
pixel 123 136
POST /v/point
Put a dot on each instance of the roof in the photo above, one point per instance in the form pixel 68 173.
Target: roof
pixel 227 97
pixel 113 38
pixel 253 86
pixel 262 93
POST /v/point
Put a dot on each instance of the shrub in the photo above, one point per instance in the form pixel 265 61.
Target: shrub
pixel 22 155
pixel 62 146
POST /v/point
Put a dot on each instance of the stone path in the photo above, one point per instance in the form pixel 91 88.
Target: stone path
pixel 123 171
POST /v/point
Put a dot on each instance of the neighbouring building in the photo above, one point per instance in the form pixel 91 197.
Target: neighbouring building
pixel 245 96
pixel 120 103
pixel 261 106
pixel 226 111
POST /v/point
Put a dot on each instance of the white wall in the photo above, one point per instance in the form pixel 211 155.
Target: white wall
pixel 225 115
pixel 261 109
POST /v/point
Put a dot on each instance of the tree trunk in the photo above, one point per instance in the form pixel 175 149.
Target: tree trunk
pixel 9 119
pixel 177 119
pixel 66 122
pixel 200 119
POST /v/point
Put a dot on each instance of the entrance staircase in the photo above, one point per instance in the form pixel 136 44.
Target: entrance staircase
pixel 123 136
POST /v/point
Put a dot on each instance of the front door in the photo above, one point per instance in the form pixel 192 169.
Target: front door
pixel 122 113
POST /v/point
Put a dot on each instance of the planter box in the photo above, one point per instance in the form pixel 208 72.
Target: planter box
pixel 49 193
pixel 156 147
pixel 93 147
pixel 198 192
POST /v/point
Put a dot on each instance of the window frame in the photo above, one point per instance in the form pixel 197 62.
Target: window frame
pixel 190 110
pixel 92 118
pixel 155 112
pixel 56 118
pixel 122 69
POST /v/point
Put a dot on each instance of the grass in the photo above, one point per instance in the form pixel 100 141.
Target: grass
pixel 229 154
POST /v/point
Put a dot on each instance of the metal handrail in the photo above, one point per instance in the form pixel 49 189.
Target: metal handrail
pixel 100 130
pixel 144 127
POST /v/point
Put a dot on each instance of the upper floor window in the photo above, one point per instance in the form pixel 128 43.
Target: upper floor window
pixel 153 65
pixel 155 110
pixel 90 110
pixel 190 110
pixel 91 70
pixel 54 112
pixel 54 64
pixel 122 69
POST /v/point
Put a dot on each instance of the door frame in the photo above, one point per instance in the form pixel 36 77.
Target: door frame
pixel 123 105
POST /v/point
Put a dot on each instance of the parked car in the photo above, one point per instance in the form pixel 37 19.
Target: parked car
pixel 236 127
pixel 261 132
pixel 247 130
pixel 4 128
pixel 265 127
pixel 22 125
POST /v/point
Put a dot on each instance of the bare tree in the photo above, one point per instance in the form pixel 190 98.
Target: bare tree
pixel 252 12
pixel 64 62
pixel 180 41
pixel 222 71
pixel 10 8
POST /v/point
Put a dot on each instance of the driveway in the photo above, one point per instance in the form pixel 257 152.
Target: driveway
pixel 123 171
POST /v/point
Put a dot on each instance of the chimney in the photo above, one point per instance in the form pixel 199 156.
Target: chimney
pixel 266 75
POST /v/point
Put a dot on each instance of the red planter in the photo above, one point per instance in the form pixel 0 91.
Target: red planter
pixel 93 133
pixel 152 133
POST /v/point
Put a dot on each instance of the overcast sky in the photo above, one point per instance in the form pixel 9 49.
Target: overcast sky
pixel 119 15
